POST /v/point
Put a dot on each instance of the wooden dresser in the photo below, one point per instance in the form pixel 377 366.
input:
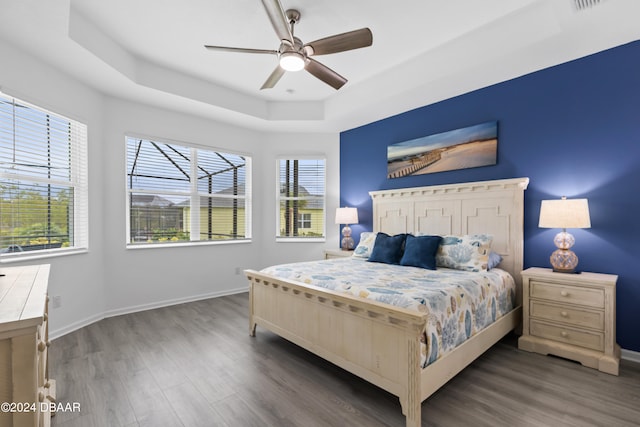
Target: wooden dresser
pixel 571 316
pixel 25 388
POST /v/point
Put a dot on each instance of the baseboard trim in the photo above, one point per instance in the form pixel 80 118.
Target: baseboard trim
pixel 57 333
pixel 632 356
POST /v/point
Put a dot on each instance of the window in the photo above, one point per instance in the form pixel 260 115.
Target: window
pixel 180 193
pixel 301 194
pixel 304 220
pixel 43 181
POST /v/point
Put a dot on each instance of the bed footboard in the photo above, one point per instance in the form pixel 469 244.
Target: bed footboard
pixel 374 341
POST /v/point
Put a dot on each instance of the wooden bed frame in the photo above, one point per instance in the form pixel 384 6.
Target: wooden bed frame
pixel 381 343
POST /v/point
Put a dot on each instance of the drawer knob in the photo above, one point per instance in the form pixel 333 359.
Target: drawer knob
pixel 564 314
pixel 564 293
pixel 564 334
pixel 42 346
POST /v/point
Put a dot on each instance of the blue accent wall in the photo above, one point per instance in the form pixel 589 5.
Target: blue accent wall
pixel 573 129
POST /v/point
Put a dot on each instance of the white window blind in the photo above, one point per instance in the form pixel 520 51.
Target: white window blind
pixel 180 193
pixel 43 180
pixel 301 198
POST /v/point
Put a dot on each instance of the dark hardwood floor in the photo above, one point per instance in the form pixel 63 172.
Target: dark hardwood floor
pixel 195 365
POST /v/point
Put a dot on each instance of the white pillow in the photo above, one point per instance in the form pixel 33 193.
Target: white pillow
pixel 365 245
pixel 468 253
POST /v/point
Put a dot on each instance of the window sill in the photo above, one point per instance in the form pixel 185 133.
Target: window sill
pixel 185 244
pixel 26 256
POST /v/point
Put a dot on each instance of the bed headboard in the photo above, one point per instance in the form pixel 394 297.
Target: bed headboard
pixel 490 207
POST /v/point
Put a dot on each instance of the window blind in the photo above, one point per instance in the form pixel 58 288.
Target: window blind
pixel 180 193
pixel 43 179
pixel 301 198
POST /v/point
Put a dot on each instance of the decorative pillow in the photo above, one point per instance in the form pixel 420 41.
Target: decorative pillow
pixel 421 251
pixel 388 249
pixel 365 245
pixel 468 253
pixel 494 259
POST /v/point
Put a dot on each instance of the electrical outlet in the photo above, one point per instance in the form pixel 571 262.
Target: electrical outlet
pixel 56 301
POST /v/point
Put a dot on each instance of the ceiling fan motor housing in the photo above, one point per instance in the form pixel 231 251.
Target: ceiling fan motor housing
pixel 285 46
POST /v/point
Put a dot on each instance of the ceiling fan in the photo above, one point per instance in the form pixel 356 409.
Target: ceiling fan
pixel 294 55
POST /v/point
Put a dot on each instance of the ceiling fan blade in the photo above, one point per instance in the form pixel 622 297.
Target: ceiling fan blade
pixel 273 78
pixel 341 42
pixel 241 49
pixel 278 19
pixel 325 74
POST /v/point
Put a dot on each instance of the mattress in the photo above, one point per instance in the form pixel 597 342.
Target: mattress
pixel 459 304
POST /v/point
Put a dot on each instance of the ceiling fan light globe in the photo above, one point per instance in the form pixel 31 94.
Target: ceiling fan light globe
pixel 292 61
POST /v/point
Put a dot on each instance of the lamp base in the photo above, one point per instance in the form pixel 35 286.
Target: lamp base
pixel 564 261
pixel 347 242
pixel 566 272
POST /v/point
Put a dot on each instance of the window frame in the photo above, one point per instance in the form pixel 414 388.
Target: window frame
pixel 300 239
pixel 194 196
pixel 78 182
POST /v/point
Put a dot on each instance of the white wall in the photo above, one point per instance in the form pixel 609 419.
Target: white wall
pixel 155 276
pixel 111 279
pixel 297 144
pixel 77 278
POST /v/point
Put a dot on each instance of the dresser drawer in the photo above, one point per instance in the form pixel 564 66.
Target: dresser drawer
pixel 566 314
pixel 590 297
pixel 582 338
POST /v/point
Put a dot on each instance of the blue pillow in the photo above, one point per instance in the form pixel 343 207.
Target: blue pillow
pixel 421 251
pixel 494 259
pixel 388 249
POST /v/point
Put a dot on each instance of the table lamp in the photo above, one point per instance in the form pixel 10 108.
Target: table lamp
pixel 346 216
pixel 564 213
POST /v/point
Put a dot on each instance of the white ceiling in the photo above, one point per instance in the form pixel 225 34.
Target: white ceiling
pixel 423 51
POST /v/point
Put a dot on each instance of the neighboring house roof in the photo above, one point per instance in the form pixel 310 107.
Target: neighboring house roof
pixel 311 203
pixel 148 200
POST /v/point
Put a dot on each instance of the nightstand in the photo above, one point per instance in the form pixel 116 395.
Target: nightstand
pixel 336 253
pixel 571 316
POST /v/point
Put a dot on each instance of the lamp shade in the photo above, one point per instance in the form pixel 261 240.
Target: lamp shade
pixel 564 213
pixel 346 216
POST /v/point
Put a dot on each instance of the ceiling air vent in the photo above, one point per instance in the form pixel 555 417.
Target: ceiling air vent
pixel 585 4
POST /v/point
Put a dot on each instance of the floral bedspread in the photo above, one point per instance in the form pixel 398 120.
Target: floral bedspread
pixel 459 303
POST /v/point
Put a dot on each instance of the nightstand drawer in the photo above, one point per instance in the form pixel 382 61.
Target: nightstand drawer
pixel 591 297
pixel 566 314
pixel 587 339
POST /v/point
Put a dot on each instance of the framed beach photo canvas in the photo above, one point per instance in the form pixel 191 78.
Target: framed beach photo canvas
pixel 463 148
